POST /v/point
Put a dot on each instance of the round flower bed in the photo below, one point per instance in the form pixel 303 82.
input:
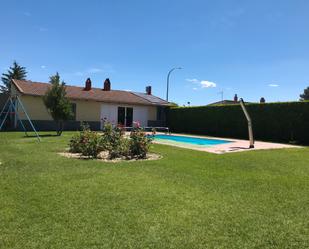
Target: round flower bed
pixel 103 157
pixel 110 145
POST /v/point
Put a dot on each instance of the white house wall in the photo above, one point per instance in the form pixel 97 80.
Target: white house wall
pixel 109 112
pixel 140 113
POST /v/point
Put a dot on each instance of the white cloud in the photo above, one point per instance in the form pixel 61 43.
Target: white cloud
pixel 207 84
pixel 202 83
pixel 86 72
pixel 78 74
pixel 43 67
pixel 42 29
pixel 236 12
pixel 229 18
pixel 192 80
pixel 26 13
pixel 273 85
pixel 94 70
pixel 89 71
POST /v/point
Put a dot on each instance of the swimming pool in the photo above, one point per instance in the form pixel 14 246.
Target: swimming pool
pixel 190 140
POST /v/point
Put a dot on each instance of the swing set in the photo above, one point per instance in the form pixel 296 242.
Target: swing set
pixel 11 108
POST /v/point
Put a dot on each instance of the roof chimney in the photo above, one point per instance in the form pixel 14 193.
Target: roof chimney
pixel 235 98
pixel 148 90
pixel 87 85
pixel 107 85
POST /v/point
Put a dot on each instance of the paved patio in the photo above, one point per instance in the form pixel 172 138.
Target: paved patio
pixel 236 145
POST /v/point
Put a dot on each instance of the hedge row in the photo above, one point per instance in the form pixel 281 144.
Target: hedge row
pixel 277 122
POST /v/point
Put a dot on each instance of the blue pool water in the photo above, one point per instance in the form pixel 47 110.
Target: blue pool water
pixel 191 140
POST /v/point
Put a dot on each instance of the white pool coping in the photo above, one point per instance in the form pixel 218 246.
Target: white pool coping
pixel 236 145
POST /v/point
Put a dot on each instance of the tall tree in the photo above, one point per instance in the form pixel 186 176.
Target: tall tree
pixel 57 103
pixel 17 72
pixel 305 95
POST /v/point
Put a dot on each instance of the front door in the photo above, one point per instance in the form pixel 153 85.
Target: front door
pixel 121 115
pixel 129 116
pixel 125 116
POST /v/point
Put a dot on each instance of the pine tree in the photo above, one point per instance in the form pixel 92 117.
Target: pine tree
pixel 15 72
pixel 305 95
pixel 57 103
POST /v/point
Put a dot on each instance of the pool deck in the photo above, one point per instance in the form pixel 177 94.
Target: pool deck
pixel 236 145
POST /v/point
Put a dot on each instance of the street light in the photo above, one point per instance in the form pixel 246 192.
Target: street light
pixel 168 80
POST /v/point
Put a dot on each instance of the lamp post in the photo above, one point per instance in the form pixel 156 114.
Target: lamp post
pixel 168 80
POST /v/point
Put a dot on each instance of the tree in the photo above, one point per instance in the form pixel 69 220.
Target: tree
pixel 305 95
pixel 15 72
pixel 57 103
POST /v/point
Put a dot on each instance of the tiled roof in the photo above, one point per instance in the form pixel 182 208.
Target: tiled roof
pixel 227 102
pixel 95 94
pixel 224 102
pixel 151 98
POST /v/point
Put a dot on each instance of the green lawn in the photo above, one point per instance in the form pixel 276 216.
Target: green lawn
pixel 188 199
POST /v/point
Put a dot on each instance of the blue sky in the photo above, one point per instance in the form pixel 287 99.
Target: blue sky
pixel 252 48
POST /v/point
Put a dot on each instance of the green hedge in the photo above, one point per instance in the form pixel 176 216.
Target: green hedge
pixel 278 122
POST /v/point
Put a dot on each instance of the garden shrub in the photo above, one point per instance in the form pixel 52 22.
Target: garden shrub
pixel 75 144
pixel 119 149
pixel 77 140
pixel 87 142
pixel 90 144
pixel 114 142
pixel 139 143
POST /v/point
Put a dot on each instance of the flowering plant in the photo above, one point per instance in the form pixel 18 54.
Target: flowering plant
pixel 136 124
pixel 139 143
pixel 90 144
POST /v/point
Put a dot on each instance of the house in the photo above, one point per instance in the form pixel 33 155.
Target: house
pixel 224 102
pixel 227 102
pixel 92 105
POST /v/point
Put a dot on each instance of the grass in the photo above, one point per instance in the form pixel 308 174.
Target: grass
pixel 188 199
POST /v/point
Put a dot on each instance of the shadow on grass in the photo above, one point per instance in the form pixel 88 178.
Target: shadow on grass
pixel 42 135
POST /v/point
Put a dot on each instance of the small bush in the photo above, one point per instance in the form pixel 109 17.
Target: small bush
pixel 120 149
pixel 78 139
pixel 75 144
pixel 113 141
pixel 86 142
pixel 139 143
pixel 91 145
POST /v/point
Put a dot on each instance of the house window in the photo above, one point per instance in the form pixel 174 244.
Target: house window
pixel 73 110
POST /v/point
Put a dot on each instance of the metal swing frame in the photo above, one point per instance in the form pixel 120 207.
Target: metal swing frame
pixel 10 107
